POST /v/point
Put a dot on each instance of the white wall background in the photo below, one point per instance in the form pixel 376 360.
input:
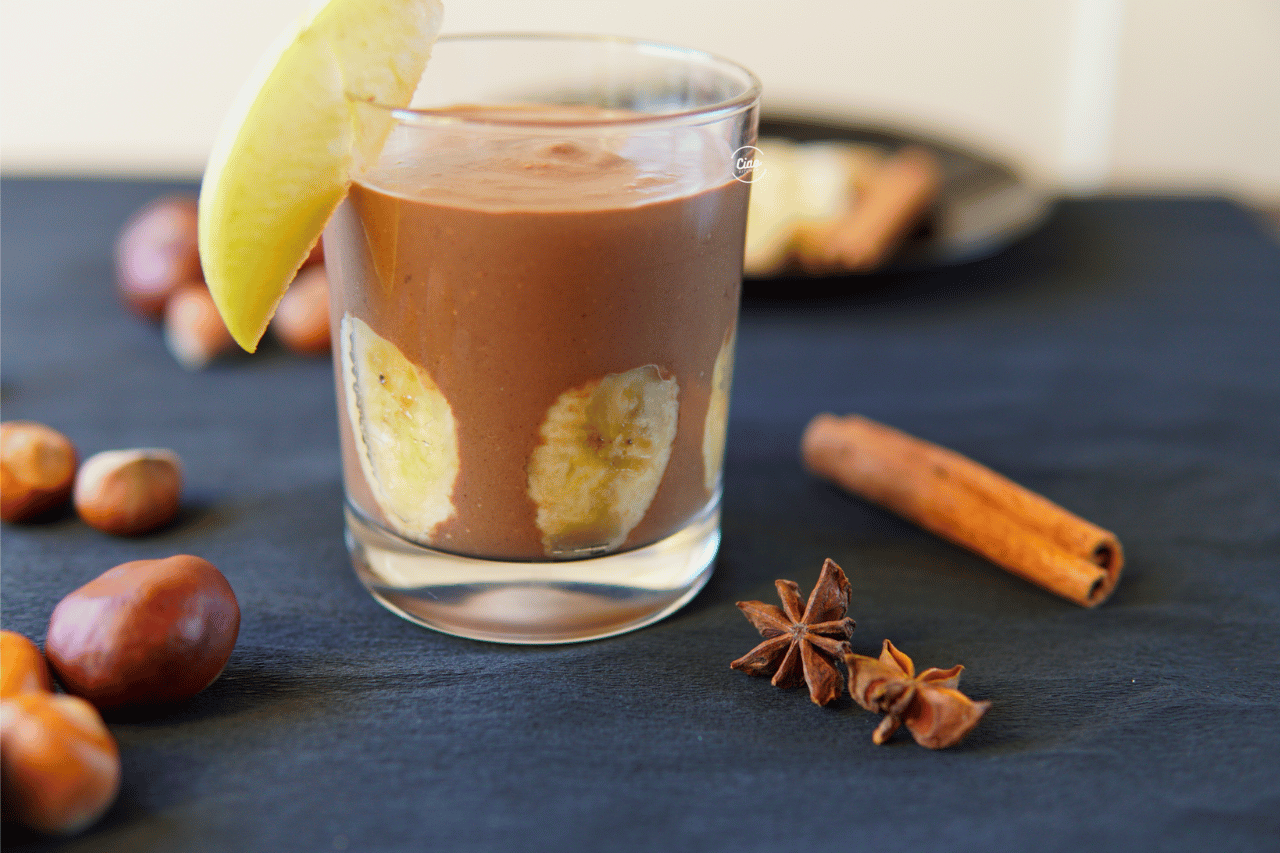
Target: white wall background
pixel 1116 94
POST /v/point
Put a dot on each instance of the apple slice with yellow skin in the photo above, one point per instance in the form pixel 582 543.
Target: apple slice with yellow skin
pixel 282 160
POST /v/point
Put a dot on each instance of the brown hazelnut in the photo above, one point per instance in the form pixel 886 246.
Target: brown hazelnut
pixel 193 328
pixel 157 252
pixel 316 255
pixel 302 317
pixel 59 765
pixel 146 633
pixel 37 469
pixel 22 667
pixel 129 492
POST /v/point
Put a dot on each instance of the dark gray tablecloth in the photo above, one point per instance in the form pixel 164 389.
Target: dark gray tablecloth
pixel 1124 361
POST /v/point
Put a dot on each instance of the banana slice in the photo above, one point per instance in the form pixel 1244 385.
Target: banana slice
pixel 605 446
pixel 404 432
pixel 830 175
pixel 717 422
pixel 805 190
pixel 772 210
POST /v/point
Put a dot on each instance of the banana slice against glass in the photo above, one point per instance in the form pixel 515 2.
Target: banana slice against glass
pixel 604 448
pixel 717 422
pixel 404 431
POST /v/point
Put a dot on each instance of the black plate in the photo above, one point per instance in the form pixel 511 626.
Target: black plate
pixel 983 205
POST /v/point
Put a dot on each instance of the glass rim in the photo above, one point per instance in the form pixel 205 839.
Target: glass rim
pixel 463 117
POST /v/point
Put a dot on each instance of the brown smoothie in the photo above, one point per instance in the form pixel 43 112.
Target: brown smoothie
pixel 510 276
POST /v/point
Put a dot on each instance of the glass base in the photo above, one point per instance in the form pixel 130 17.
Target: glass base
pixel 563 601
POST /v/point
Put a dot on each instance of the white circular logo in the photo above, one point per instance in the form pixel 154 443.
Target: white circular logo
pixel 748 164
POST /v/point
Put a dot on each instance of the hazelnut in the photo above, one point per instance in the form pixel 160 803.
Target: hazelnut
pixel 59 765
pixel 37 469
pixel 316 256
pixel 150 632
pixel 302 317
pixel 22 667
pixel 157 252
pixel 193 328
pixel 129 492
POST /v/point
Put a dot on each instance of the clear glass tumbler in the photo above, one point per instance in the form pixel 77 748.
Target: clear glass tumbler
pixel 534 286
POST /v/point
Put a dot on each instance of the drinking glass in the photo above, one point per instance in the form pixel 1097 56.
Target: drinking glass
pixel 534 290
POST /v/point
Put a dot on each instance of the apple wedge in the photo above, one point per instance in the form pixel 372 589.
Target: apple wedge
pixel 282 160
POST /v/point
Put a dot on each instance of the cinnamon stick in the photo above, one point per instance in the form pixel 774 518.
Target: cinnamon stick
pixel 889 205
pixel 967 503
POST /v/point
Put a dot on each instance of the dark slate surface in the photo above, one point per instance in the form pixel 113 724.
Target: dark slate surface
pixel 1125 361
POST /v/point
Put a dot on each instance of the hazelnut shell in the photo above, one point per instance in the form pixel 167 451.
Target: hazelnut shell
pixel 301 321
pixel 37 470
pixel 194 331
pixel 22 667
pixel 129 492
pixel 59 765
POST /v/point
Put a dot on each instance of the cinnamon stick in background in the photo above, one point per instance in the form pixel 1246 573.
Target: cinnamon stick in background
pixel 967 503
pixel 895 196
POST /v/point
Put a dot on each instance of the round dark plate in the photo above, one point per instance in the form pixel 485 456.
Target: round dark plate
pixel 983 205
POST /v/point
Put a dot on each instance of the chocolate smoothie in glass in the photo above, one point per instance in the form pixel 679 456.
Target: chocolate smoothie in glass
pixel 535 287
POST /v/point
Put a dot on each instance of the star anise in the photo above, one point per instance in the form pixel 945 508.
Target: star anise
pixel 934 711
pixel 802 647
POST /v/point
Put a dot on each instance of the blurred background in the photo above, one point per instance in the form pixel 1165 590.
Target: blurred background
pixel 1086 95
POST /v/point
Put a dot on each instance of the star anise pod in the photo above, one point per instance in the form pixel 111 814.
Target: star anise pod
pixel 802 647
pixel 934 711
